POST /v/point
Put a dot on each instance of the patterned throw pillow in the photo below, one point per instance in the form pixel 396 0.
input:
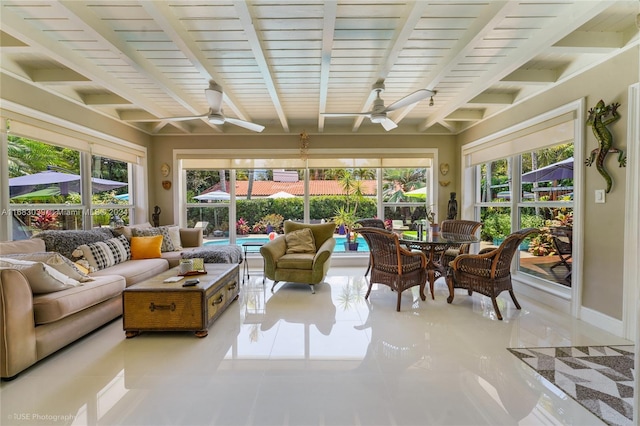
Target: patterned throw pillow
pixel 57 262
pixel 104 254
pixel 167 242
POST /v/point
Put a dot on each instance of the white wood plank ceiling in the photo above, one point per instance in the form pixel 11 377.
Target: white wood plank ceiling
pixel 283 63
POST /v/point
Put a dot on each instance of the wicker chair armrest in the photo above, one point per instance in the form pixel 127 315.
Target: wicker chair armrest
pixel 409 256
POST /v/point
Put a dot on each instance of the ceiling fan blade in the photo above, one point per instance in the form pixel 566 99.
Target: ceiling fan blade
pixel 246 124
pixel 191 117
pixel 345 114
pixel 389 124
pixel 214 99
pixel 412 98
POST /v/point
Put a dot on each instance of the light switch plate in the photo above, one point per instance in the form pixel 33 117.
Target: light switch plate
pixel 600 196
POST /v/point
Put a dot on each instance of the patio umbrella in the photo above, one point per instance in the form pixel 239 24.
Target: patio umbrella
pixel 420 193
pixel 556 171
pixel 51 191
pixel 281 194
pixel 68 183
pixel 213 196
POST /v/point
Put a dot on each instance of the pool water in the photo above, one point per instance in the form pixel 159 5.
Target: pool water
pixel 340 240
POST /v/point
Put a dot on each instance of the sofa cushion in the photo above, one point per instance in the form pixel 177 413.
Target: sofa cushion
pixel 56 261
pixel 52 307
pixel 167 242
pixel 300 241
pixel 65 242
pixel 42 278
pixel 296 261
pixel 146 247
pixel 103 254
pixel 135 271
pixel 23 246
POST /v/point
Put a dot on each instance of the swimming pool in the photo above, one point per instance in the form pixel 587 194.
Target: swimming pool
pixel 340 240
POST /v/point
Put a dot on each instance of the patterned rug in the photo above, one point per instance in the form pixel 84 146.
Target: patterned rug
pixel 600 378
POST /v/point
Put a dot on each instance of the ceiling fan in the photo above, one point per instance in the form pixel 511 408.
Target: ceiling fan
pixel 379 112
pixel 215 115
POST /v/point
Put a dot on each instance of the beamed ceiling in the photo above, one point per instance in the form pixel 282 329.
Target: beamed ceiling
pixel 283 63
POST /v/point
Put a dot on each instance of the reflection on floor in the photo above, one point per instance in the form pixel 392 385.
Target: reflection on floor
pixel 294 358
pixel 541 267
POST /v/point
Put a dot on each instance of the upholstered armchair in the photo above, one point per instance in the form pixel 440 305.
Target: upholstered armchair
pixel 301 255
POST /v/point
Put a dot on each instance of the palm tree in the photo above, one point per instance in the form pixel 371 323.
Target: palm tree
pixel 398 181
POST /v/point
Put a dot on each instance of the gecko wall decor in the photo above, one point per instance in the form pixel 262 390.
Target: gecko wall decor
pixel 599 118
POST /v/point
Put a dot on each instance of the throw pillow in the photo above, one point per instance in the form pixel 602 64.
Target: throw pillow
pixel 167 243
pixel 174 232
pixel 65 242
pixel 127 231
pixel 103 254
pixel 57 262
pixel 42 278
pixel 146 247
pixel 300 241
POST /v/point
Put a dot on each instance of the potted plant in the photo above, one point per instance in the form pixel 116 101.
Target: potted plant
pixel 431 217
pixel 347 219
pixel 345 216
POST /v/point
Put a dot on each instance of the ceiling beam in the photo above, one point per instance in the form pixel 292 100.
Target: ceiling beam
pixel 82 15
pixel 493 14
pixel 328 31
pixel 17 27
pixel 258 52
pixel 601 42
pixel 413 14
pixel 574 16
pixel 161 12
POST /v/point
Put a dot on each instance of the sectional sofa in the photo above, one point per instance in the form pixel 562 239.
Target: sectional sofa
pixel 34 326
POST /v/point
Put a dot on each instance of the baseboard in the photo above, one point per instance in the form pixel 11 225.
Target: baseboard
pixel 555 301
pixel 600 320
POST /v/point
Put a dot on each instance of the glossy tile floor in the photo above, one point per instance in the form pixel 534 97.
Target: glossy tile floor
pixel 293 358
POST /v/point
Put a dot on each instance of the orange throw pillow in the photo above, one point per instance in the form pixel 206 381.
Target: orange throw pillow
pixel 146 247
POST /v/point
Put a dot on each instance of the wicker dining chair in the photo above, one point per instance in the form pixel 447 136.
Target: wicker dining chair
pixel 392 264
pixel 489 272
pixel 464 227
pixel 370 222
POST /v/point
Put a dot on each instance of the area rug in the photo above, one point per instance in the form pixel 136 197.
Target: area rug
pixel 600 378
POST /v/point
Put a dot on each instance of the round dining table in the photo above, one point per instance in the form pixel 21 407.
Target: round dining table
pixel 433 245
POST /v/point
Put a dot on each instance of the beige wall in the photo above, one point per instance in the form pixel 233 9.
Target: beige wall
pixel 163 147
pixel 603 223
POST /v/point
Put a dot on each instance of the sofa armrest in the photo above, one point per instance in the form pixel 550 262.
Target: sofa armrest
pixel 191 237
pixel 271 252
pixel 18 334
pixel 324 253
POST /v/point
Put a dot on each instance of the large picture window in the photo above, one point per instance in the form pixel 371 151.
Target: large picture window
pixel 237 203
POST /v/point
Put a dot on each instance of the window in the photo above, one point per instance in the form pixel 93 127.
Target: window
pixel 544 200
pixel 242 201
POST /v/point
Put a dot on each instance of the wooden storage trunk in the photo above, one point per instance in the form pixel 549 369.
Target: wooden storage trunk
pixel 154 305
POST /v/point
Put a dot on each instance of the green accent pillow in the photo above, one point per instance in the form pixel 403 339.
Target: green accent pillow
pixel 300 241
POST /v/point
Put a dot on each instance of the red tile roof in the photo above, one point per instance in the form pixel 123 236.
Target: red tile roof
pixel 264 188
